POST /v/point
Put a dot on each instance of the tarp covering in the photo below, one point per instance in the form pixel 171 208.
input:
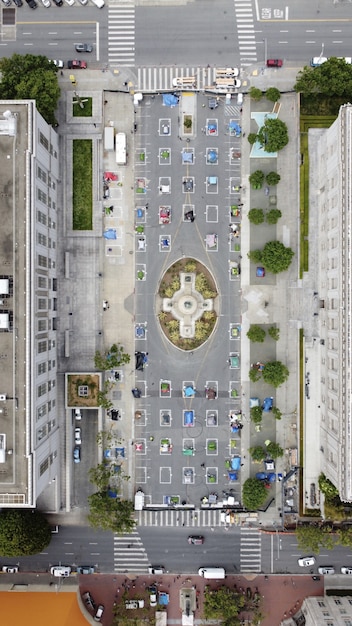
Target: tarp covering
pixel 236 462
pixel 110 233
pixel 188 392
pixel 188 418
pixel 212 156
pixel 187 157
pixel 170 100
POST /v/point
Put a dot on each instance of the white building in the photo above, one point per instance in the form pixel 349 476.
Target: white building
pixel 323 611
pixel 29 436
pixel 332 180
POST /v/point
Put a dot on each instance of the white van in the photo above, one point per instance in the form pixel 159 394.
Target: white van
pixel 99 3
pixel 212 572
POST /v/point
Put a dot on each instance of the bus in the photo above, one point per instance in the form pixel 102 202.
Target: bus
pixel 120 143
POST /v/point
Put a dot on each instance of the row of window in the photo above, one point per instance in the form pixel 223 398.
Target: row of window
pixel 45 366
pixel 44 261
pixel 44 466
pixel 45 199
pixel 42 218
pixel 45 304
pixel 44 388
pixel 44 141
pixel 45 408
pixel 43 240
pixel 45 430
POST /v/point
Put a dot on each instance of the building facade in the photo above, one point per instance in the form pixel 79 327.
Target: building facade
pixel 29 430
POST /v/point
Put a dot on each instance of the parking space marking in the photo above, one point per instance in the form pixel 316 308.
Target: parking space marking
pixel 164 243
pixel 211 418
pixel 212 213
pixel 165 475
pixel 212 184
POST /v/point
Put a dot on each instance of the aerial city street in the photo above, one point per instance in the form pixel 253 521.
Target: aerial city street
pixel 186 372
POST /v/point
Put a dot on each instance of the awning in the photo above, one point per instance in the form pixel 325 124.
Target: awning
pixel 4 321
pixel 4 286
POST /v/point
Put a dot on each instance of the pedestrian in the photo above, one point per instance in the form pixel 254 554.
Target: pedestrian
pixel 202 465
pixel 183 524
pixel 243 134
pixel 94 125
pixel 61 73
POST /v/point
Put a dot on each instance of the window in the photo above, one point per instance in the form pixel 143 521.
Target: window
pixel 42 304
pixel 337 601
pixel 42 347
pixel 42 282
pixel 41 368
pixel 42 261
pixel 41 390
pixel 43 141
pixel 41 412
pixel 41 174
pixel 41 239
pixel 42 325
pixel 321 603
pixel 41 196
pixel 41 217
pixel 43 467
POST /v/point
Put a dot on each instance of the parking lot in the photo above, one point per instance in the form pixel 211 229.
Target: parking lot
pixel 187 191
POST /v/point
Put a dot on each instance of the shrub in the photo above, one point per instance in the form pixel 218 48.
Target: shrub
pixel 276 413
pixel 256 333
pixel 255 256
pixel 252 138
pixel 256 216
pixel 273 216
pixel 255 93
pixel 256 179
pixel 256 414
pixel 253 375
pixel 272 94
pixel 274 333
pixel 257 453
pixel 254 493
pixel 273 178
pixel 273 135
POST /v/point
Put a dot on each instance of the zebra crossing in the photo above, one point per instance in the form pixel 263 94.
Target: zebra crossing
pixel 121 34
pixel 152 79
pixel 250 550
pixel 172 517
pixel 130 554
pixel 245 32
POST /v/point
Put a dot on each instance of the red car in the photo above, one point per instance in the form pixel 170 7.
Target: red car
pixel 77 65
pixel 274 63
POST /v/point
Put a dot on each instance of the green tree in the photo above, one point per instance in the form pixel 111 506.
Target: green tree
pixel 110 513
pixel 255 256
pixel 256 413
pixel 187 122
pixel 256 333
pixel 273 135
pixel 274 450
pixel 223 605
pixel 254 375
pixel 254 493
pixel 273 178
pixel 275 373
pixel 276 257
pixel 311 538
pixel 255 94
pixel 345 536
pixel 276 413
pixel 258 453
pixel 272 94
pixel 34 77
pixel 112 358
pixel 256 179
pixel 252 138
pixel 256 216
pixel 23 532
pixel 327 487
pixel 332 78
pixel 273 216
pixel 274 333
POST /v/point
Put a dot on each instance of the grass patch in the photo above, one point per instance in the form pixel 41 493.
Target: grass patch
pixel 87 110
pixel 307 122
pixel 301 417
pixel 82 184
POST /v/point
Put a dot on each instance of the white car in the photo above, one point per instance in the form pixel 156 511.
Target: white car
pixel 237 83
pixel 328 569
pixel 46 3
pixel 57 62
pixel 306 561
pixel 60 571
pixel 78 414
pixel 70 2
pixel 9 569
pixel 346 570
pixel 78 437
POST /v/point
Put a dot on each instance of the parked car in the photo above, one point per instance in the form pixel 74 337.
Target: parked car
pixel 78 436
pixel 76 65
pixel 196 540
pixel 88 601
pixel 156 569
pixel 346 570
pixel 70 2
pixel 326 569
pixel 76 454
pixel 166 129
pixel 316 61
pixel 78 414
pixel 18 3
pixel 213 103
pixel 99 613
pixel 153 596
pixel 99 3
pixel 32 4
pixel 238 83
pixel 83 1
pixel 10 569
pixel 83 47
pixel 7 3
pixel 274 62
pixel 46 3
pixel 58 3
pixel 306 561
pixel 85 569
pixel 60 571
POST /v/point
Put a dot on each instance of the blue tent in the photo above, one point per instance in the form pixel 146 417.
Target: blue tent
pixel 236 128
pixel 236 462
pixel 110 233
pixel 268 404
pixel 188 392
pixel 212 156
pixel 232 476
pixel 188 418
pixel 187 157
pixel 170 100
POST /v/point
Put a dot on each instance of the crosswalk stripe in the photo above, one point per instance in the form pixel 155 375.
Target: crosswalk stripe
pixel 244 17
pixel 121 34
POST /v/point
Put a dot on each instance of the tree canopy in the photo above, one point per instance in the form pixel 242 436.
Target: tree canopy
pixel 254 493
pixel 276 257
pixel 23 532
pixel 273 135
pixel 256 333
pixel 29 76
pixel 112 358
pixel 275 373
pixel 258 453
pixel 311 538
pixel 334 77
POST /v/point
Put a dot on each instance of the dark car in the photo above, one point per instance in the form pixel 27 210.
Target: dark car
pixel 141 360
pixel 76 65
pixel 213 103
pixel 274 63
pixel 188 184
pixel 83 47
pixel 76 454
pixel 88 601
pixel 18 3
pixel 58 3
pixel 7 3
pixel 32 4
pixel 196 540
